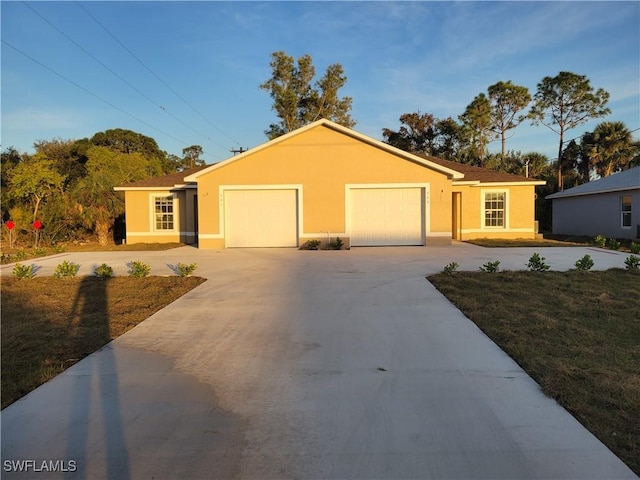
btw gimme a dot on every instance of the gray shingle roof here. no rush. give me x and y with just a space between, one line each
626 180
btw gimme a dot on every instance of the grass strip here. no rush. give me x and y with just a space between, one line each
576 333
49 324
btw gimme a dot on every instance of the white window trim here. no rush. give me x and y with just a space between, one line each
622 225
483 211
152 212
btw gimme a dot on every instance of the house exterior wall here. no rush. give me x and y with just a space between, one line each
140 219
596 214
520 212
320 162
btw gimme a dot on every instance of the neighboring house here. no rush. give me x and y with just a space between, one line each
324 181
609 207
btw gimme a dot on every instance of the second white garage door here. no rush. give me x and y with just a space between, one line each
387 216
261 218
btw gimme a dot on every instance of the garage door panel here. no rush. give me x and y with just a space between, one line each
387 216
261 218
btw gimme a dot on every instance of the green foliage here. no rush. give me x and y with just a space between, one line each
337 244
476 128
103 271
311 245
600 241
613 244
66 269
490 267
138 269
59 249
39 252
191 157
632 262
609 148
634 247
297 102
184 270
450 268
537 263
23 271
506 101
585 263
20 255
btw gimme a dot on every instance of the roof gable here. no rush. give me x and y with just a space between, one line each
426 162
625 180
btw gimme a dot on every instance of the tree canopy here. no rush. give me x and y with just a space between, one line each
298 102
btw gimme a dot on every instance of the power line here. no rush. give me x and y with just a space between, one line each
155 75
119 76
92 93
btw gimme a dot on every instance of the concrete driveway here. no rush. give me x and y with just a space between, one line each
293 364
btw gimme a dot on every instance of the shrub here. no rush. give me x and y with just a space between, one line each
184 270
585 263
23 271
613 244
59 249
138 269
311 245
20 255
450 269
600 241
634 247
537 263
66 269
632 262
103 271
491 267
39 252
336 245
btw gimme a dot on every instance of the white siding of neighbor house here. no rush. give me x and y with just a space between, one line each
596 214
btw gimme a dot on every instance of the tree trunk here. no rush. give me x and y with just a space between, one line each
102 230
560 181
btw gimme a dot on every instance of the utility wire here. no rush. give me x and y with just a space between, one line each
155 75
91 93
119 76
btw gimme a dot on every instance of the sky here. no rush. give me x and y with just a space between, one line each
188 73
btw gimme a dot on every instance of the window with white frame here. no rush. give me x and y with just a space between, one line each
163 212
494 209
625 210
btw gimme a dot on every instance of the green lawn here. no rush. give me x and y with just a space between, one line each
576 333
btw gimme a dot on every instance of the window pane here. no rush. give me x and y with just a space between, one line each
494 209
164 213
625 207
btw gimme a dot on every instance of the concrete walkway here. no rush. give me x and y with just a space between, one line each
291 364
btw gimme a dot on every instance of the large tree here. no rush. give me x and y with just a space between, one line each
191 157
565 101
476 129
609 148
297 102
506 101
416 134
128 141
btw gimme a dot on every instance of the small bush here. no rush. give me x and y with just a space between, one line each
103 271
138 269
311 245
59 249
585 263
634 247
184 270
490 267
66 269
23 271
450 269
20 255
336 245
39 252
600 241
613 244
632 262
537 263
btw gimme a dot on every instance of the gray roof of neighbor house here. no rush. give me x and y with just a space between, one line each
625 180
171 180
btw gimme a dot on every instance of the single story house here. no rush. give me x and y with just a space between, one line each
609 206
324 181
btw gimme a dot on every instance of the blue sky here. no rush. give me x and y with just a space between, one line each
197 66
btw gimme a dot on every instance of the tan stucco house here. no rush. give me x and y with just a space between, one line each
324 181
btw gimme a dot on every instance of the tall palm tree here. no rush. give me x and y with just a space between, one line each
610 147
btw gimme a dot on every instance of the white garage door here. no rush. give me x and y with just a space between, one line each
386 216
261 218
